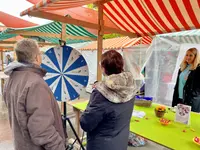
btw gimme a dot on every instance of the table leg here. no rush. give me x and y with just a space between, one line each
77 121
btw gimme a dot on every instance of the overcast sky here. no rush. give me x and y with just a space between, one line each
14 7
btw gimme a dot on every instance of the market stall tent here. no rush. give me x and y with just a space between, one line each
50 32
124 45
121 44
152 17
134 18
118 43
83 14
166 54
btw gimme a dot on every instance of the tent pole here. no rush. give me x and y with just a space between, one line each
63 32
100 40
141 38
2 80
63 104
2 60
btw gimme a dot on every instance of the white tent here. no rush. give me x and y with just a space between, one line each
167 52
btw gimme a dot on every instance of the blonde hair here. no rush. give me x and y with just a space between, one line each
196 61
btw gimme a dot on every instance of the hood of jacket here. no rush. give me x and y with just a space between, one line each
118 88
23 66
14 65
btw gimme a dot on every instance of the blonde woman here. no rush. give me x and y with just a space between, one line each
187 88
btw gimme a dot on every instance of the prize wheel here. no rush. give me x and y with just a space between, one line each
67 72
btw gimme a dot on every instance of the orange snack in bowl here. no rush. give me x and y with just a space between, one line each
164 121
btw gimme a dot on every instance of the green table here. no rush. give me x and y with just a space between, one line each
171 136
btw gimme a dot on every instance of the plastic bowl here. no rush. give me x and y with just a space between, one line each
196 140
164 121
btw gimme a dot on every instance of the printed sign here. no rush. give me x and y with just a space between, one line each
183 114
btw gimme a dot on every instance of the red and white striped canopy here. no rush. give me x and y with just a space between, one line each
144 17
51 5
118 43
146 40
150 17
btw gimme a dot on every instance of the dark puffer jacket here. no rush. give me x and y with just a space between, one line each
191 91
107 117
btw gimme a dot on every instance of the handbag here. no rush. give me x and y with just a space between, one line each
136 141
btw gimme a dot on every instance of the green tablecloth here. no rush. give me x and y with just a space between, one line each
171 136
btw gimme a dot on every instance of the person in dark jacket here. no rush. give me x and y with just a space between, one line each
107 116
187 88
8 59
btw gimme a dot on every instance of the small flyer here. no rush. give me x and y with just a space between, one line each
183 114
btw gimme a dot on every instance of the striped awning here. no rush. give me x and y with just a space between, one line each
77 46
150 17
118 43
53 27
191 36
136 41
49 5
2 26
143 17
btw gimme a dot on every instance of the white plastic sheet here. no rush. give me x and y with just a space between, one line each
162 68
91 59
135 59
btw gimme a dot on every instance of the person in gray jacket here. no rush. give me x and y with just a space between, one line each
107 116
34 114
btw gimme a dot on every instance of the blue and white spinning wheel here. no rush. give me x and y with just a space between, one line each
67 72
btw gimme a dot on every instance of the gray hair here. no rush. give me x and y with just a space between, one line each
26 50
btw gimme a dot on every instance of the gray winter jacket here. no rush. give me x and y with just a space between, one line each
33 112
107 117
